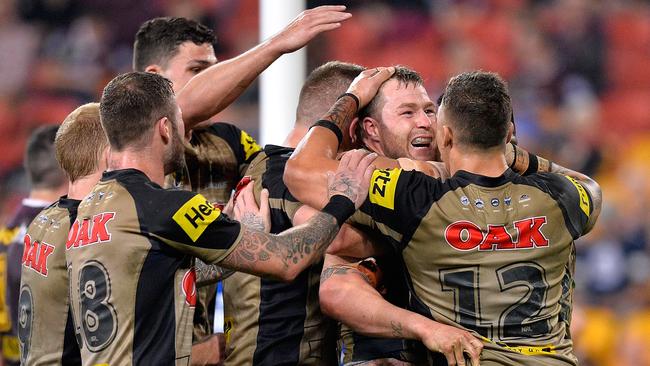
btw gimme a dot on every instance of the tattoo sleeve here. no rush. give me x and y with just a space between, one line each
208 274
341 270
294 249
342 112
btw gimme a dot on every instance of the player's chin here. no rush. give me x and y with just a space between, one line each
422 152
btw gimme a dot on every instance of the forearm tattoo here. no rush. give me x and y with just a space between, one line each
254 221
342 112
398 329
207 274
342 269
292 247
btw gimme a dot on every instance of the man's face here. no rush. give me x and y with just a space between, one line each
190 60
174 155
405 121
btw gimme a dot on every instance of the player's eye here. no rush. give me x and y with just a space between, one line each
429 111
407 113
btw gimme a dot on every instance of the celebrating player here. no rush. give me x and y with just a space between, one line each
131 248
46 330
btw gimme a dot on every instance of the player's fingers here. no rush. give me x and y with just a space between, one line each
246 195
328 17
323 8
368 174
451 359
325 27
264 202
355 158
458 352
345 160
383 73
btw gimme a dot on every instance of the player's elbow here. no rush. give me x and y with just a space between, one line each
332 294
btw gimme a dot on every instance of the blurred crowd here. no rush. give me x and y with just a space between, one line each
578 71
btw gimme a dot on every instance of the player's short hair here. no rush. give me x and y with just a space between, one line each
158 40
479 107
404 76
80 142
40 162
323 85
131 104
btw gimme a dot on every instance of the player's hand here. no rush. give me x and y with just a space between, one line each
352 178
249 213
366 85
211 351
454 343
308 25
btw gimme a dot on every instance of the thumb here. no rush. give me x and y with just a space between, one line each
264 202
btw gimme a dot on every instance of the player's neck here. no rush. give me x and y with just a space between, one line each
144 160
82 186
487 163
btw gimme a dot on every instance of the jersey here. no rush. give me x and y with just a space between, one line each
45 329
131 253
489 254
215 161
270 322
10 259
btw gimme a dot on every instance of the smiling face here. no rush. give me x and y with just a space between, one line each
190 60
405 121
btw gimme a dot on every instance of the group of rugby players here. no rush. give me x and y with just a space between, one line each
422 227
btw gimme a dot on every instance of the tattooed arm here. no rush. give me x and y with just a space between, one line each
346 294
315 156
285 255
208 274
523 162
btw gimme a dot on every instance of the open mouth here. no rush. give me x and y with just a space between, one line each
422 142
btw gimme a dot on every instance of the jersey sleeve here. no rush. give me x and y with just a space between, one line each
193 225
397 202
244 146
574 200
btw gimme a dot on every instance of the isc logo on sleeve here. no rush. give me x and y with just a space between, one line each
195 216
382 187
584 198
249 145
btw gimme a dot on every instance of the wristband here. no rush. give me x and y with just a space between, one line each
330 126
356 99
340 207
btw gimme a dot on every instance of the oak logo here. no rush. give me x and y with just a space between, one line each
195 216
35 255
382 187
465 235
90 231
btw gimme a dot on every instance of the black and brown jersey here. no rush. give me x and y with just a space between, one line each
131 253
489 254
216 158
269 322
45 328
10 264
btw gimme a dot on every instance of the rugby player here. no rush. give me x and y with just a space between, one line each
269 322
216 154
132 246
514 234
48 183
45 328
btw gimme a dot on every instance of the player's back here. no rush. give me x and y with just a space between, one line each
45 330
270 322
133 292
493 255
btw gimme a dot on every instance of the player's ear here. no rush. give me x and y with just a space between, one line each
447 138
164 128
371 128
155 69
511 131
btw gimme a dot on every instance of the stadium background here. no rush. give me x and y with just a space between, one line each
579 73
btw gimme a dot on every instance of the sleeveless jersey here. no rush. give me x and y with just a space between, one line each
492 255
